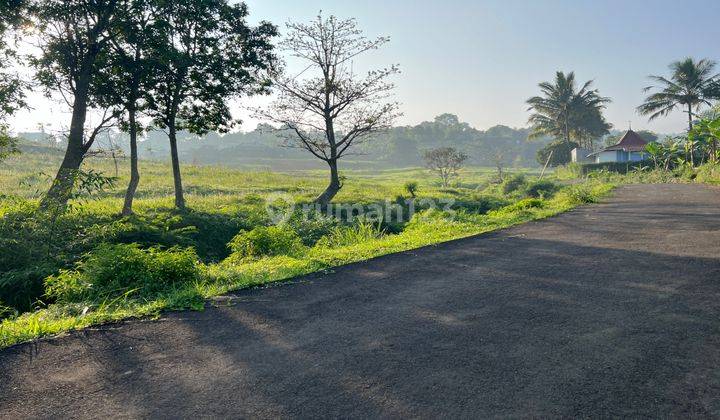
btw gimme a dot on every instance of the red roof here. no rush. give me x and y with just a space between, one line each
630 142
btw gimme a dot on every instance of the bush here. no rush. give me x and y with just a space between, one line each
513 183
411 187
480 204
522 205
265 241
361 231
541 189
619 167
21 289
575 195
123 270
708 173
312 226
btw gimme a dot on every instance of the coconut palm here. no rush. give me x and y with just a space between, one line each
691 85
566 113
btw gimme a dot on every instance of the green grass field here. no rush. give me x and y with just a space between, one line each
90 265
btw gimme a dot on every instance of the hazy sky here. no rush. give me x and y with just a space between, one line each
482 59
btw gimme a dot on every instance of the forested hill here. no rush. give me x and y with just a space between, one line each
399 147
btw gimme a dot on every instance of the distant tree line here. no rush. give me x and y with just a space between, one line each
396 147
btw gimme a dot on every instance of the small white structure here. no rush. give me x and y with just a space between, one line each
581 155
630 148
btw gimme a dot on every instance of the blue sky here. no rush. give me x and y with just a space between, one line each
482 59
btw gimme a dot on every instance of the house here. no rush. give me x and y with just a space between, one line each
581 155
630 148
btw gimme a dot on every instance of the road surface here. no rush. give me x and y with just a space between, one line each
608 310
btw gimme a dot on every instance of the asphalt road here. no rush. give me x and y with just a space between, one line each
609 310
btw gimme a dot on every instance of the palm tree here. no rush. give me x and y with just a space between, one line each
567 113
691 85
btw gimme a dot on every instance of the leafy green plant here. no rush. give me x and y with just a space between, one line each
513 183
265 241
411 187
541 189
113 270
577 195
312 226
361 231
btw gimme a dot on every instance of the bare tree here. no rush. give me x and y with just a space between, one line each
329 109
446 162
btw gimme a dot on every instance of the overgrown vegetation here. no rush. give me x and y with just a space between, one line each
89 264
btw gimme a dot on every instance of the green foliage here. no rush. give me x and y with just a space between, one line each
521 205
572 170
709 174
411 187
567 113
690 86
514 183
541 189
575 195
445 162
560 150
362 231
312 226
115 270
265 241
8 144
619 167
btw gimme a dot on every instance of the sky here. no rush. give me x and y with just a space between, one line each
482 59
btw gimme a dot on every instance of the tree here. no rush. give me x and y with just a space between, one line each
566 113
560 153
8 144
446 162
706 133
331 110
208 55
691 85
12 87
130 75
74 37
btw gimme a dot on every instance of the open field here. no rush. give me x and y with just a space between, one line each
55 275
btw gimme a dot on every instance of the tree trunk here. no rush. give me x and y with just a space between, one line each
134 172
690 118
179 198
333 188
61 189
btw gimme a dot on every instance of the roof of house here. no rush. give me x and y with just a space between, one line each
630 142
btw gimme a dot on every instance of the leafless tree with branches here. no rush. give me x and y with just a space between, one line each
326 109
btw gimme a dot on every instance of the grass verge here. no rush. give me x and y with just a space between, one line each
427 228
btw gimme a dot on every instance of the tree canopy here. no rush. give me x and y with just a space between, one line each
692 84
567 113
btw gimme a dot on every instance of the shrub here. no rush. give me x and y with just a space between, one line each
311 226
521 205
708 173
513 183
123 270
541 189
361 231
265 241
20 289
575 195
411 187
481 204
572 170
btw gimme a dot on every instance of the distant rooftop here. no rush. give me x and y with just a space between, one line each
630 142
